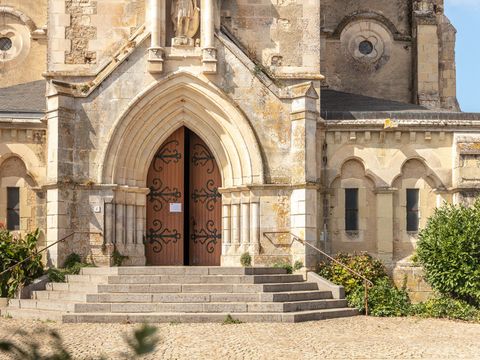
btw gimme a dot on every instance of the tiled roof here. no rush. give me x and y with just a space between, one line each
23 98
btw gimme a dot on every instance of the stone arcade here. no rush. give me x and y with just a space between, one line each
179 132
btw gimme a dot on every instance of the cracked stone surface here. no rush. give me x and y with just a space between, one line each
348 338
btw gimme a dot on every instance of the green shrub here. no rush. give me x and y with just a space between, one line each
285 266
449 251
13 251
246 259
363 263
118 258
444 307
72 260
384 299
72 266
297 265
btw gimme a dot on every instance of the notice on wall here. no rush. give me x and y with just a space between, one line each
175 207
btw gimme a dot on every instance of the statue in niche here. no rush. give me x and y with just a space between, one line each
186 20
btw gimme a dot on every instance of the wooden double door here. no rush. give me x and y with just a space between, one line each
184 204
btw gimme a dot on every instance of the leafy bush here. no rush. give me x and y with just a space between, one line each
285 266
246 259
297 265
13 251
449 250
72 266
444 307
384 299
363 264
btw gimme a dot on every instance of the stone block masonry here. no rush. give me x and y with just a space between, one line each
80 31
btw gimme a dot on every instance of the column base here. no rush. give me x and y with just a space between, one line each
155 60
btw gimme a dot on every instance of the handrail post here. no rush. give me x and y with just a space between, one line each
366 298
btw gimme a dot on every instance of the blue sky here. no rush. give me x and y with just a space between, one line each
465 16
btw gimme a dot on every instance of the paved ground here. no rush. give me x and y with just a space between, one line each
358 337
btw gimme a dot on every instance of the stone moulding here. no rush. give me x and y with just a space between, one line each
35 32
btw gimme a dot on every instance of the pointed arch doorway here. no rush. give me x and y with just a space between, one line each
184 204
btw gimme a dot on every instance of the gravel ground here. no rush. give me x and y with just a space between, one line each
349 338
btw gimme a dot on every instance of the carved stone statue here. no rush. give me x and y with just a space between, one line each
185 18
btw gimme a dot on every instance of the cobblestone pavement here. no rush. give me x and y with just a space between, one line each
349 338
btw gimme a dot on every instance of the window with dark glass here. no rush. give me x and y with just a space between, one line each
412 209
13 208
351 209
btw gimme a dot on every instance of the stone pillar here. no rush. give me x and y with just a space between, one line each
245 226
254 228
209 52
385 225
60 147
235 227
304 198
427 66
155 52
226 229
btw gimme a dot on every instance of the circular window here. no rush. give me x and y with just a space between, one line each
5 44
365 47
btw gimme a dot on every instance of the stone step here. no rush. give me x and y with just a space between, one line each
296 286
59 295
188 279
295 296
199 306
88 279
324 314
172 297
75 287
51 305
181 297
182 317
32 314
182 270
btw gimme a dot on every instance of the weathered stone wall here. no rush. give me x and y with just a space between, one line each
289 32
386 24
26 60
84 34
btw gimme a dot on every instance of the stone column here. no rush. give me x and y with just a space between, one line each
235 227
427 65
226 229
245 226
209 52
155 52
385 225
254 228
304 198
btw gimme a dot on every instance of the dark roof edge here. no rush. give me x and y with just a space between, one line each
398 115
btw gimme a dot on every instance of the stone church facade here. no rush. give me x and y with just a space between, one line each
180 132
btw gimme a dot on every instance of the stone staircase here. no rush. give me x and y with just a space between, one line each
180 294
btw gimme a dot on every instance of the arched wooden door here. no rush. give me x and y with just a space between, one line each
184 205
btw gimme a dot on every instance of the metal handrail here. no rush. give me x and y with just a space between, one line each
46 248
368 283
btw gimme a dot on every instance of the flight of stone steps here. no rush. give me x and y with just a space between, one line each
180 294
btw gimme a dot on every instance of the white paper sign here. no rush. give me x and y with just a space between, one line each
175 207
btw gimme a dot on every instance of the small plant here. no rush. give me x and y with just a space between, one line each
297 265
229 320
246 259
72 265
118 258
285 266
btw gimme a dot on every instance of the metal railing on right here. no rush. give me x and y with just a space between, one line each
368 284
45 249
